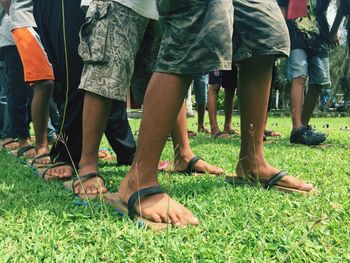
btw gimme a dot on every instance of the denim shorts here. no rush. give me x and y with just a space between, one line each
200 88
301 64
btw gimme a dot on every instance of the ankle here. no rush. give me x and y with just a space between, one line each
134 182
250 164
183 155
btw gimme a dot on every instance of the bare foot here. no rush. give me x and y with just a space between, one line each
191 134
104 154
61 172
91 186
41 151
232 131
9 146
203 130
269 133
264 171
181 164
159 208
220 135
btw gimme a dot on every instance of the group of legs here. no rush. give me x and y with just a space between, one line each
169 110
164 115
206 89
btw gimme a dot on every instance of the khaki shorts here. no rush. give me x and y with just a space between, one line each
197 36
259 29
110 40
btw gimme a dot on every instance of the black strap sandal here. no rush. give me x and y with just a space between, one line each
218 134
9 142
23 150
84 178
39 157
55 165
190 167
274 180
138 195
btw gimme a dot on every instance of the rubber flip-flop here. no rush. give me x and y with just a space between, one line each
272 183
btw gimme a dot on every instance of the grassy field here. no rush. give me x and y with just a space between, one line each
41 222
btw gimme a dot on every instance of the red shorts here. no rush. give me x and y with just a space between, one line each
34 59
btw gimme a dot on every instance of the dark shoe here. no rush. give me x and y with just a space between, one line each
309 127
306 135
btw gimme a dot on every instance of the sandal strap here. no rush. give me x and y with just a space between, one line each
9 142
24 149
39 157
275 179
191 164
138 195
55 165
83 178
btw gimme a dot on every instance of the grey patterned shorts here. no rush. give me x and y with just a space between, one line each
259 29
197 36
109 42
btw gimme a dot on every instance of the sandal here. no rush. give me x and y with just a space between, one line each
55 165
82 179
272 183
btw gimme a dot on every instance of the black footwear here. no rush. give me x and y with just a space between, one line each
307 135
310 128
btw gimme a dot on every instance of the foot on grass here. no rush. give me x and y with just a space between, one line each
10 146
263 171
41 151
203 129
31 153
91 186
181 164
159 208
61 172
232 131
220 135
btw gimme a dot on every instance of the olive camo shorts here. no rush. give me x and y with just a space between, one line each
197 36
259 29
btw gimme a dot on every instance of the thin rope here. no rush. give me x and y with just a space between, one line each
67 66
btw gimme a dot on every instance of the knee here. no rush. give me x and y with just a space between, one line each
214 89
301 80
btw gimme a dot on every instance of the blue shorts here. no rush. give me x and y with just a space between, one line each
200 87
301 64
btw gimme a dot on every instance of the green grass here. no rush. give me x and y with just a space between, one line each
39 222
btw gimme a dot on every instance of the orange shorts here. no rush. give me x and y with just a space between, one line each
34 59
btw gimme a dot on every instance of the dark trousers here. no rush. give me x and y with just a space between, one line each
48 15
19 94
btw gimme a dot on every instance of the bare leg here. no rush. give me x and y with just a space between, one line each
201 113
95 116
159 115
212 110
296 101
251 160
311 99
182 149
40 116
228 106
23 142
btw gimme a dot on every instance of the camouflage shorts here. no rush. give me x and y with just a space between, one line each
197 36
145 61
109 42
259 29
